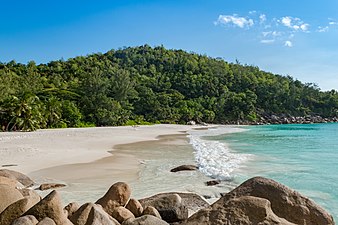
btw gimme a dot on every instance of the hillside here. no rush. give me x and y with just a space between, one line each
143 84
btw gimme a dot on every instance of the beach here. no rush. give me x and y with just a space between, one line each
89 160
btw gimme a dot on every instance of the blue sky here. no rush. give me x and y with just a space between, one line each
286 37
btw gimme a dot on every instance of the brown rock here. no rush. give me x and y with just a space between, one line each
48 186
14 211
262 201
71 208
212 182
245 210
22 178
31 195
98 216
25 220
117 195
285 203
8 195
80 217
184 168
10 182
46 221
145 220
149 210
121 214
169 206
191 201
50 207
135 207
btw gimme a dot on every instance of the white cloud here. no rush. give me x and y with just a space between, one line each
322 29
235 20
288 44
304 27
271 33
262 18
294 23
267 41
286 21
333 23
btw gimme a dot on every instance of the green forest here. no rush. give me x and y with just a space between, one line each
146 85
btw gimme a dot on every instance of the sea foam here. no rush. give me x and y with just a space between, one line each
215 159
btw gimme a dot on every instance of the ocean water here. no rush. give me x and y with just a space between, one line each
303 157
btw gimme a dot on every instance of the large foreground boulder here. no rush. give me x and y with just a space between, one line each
22 178
8 195
90 213
50 207
14 211
193 202
285 203
246 210
117 195
169 206
262 201
98 216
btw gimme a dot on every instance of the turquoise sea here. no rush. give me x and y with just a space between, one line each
301 156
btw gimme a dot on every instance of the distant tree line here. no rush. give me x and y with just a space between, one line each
139 85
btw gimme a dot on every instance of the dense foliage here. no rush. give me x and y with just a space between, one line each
145 84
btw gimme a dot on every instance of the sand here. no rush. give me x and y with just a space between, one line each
90 160
31 151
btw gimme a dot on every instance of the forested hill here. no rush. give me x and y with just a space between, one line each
145 84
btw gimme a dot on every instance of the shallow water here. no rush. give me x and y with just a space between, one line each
303 157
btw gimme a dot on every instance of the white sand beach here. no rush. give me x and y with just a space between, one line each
86 156
31 151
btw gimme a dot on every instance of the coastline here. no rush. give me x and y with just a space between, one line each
89 160
32 151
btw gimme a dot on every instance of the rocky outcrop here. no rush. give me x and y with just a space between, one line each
245 210
184 168
262 201
21 178
117 195
256 201
169 206
285 203
48 186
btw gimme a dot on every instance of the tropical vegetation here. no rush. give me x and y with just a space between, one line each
144 84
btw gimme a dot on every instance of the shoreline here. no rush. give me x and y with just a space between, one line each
78 157
32 151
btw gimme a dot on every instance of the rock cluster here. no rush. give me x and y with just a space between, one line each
256 201
262 201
